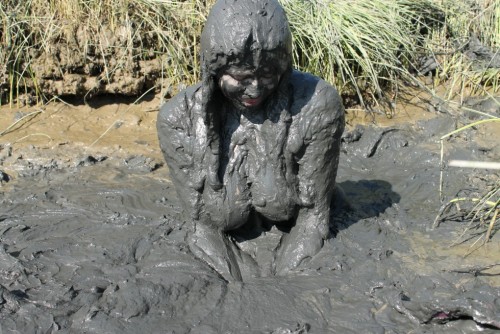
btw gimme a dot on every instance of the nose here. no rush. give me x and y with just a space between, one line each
253 90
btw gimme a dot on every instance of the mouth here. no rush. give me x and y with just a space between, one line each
251 102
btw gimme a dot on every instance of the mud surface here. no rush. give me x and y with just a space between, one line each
92 239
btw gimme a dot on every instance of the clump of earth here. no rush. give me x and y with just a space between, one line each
92 240
82 62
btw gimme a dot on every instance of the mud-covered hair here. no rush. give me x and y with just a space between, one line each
236 29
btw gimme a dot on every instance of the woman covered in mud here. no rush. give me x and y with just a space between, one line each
254 141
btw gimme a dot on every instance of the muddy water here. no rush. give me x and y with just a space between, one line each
92 242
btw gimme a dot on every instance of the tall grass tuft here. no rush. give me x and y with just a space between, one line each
98 38
472 25
365 48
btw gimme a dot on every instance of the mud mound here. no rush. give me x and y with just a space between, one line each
67 69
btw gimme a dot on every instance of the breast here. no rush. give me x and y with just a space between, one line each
271 194
254 165
230 206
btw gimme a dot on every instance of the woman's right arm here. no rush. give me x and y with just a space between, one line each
181 142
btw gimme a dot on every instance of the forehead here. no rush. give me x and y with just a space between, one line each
256 60
249 69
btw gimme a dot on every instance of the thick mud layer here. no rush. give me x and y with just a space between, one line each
92 241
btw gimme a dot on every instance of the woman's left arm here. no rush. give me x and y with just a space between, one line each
321 127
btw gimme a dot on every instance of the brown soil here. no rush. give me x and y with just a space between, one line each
121 127
111 127
84 63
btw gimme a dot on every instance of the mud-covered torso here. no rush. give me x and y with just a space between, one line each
253 165
260 153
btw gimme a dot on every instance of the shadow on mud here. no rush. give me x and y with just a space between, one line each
353 201
106 99
361 199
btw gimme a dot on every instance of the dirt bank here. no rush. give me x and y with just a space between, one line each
92 242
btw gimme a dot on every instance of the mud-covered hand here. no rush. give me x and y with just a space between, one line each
212 246
303 242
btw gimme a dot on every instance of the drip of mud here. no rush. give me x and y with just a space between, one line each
91 241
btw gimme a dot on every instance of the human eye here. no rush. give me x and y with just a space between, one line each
267 73
238 77
240 74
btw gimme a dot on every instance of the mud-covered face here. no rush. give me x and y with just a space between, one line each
248 87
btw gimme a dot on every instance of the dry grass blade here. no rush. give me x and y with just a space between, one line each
474 164
25 118
476 270
116 122
33 135
492 224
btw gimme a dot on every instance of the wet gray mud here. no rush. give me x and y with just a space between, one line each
96 245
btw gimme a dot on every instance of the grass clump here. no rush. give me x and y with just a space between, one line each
365 48
466 48
90 46
481 215
480 210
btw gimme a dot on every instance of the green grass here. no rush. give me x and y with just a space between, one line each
363 47
463 20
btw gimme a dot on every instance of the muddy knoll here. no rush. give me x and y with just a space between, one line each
91 239
84 62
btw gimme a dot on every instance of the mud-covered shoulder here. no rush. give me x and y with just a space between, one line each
178 111
316 107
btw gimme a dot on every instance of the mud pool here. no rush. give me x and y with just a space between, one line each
92 241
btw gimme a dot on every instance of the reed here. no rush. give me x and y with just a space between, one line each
467 22
363 47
